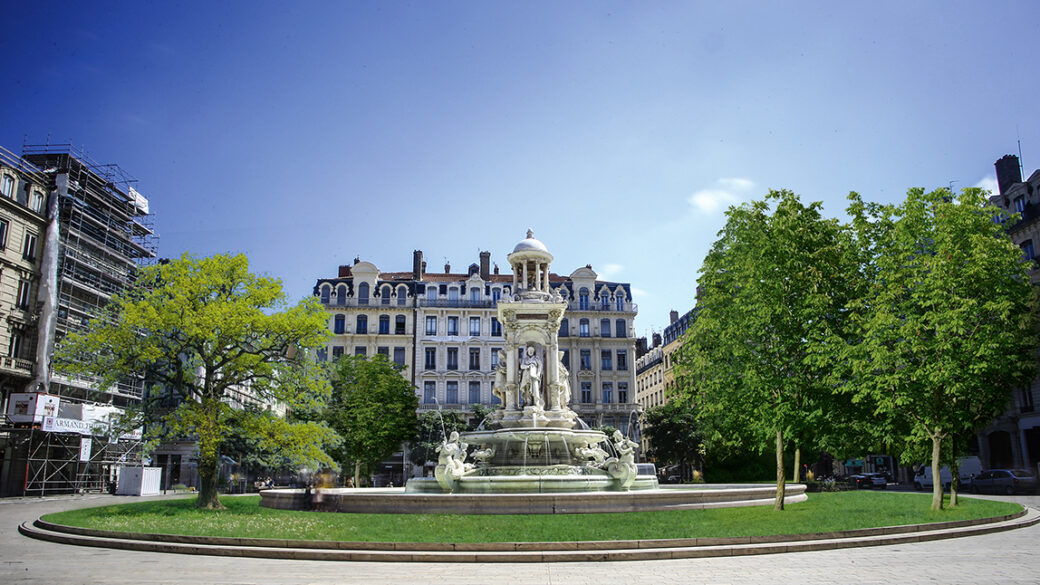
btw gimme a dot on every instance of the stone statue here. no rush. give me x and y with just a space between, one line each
451 464
531 379
499 386
563 397
596 456
624 469
481 456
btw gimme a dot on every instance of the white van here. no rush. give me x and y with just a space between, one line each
968 467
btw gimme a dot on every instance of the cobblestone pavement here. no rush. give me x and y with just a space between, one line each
1006 557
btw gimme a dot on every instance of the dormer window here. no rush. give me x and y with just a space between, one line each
7 186
36 201
1020 204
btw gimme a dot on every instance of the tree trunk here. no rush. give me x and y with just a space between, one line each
357 474
797 465
955 482
209 475
780 479
937 487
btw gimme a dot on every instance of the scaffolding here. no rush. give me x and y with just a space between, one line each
105 233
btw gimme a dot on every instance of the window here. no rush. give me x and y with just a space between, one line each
431 358
431 293
622 392
399 325
586 392
494 357
453 325
402 296
620 304
1020 204
604 327
36 201
29 250
496 327
1027 249
453 358
325 290
24 289
622 359
383 351
474 392
566 359
429 392
474 293
362 293
323 355
608 393
583 328
399 356
586 359
4 226
341 294
452 393
15 348
1027 400
496 294
453 294
7 186
474 358
384 324
431 325
583 299
621 328
362 324
564 328
604 301
474 326
339 326
360 350
605 359
337 352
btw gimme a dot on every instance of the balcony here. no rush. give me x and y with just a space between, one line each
457 303
598 308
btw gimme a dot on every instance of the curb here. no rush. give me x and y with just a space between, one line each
581 551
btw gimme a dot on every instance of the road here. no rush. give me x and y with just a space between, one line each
1006 558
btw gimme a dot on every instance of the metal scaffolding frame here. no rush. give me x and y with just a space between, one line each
54 466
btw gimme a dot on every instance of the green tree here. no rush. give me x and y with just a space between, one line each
671 430
372 409
949 324
772 290
200 330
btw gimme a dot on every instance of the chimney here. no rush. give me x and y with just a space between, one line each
357 260
418 266
673 316
1008 172
485 265
344 271
447 268
496 267
641 348
657 340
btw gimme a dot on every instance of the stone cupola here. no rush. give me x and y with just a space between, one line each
530 262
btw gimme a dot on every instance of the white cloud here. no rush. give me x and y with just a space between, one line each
610 270
990 184
725 192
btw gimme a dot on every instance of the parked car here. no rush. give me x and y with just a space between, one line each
1003 481
868 481
966 467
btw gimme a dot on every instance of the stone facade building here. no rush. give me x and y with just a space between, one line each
1013 440
443 328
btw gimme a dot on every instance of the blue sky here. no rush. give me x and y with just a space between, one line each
304 134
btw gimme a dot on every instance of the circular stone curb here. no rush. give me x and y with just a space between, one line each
504 552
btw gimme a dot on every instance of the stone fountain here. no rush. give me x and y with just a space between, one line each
532 444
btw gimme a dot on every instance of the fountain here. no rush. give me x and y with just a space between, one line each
532 445
533 455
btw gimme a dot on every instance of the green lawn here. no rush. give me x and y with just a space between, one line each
823 512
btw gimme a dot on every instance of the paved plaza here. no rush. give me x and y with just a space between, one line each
1005 557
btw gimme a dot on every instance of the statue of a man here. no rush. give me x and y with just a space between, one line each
531 378
499 386
564 397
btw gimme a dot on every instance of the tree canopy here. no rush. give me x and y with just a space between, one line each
372 408
672 431
771 295
203 333
948 326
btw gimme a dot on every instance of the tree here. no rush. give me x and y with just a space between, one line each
671 430
949 324
372 408
200 330
772 294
